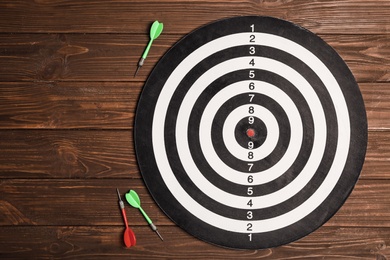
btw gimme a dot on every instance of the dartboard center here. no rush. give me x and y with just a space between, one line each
250 132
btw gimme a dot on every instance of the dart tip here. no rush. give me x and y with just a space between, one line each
119 196
135 74
159 235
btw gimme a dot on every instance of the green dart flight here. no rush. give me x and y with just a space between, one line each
155 31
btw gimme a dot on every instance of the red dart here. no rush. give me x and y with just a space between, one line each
128 235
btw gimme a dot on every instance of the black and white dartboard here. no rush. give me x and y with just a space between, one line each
250 132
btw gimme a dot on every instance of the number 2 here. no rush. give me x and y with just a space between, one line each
249 227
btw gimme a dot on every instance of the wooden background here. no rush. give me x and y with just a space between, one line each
67 102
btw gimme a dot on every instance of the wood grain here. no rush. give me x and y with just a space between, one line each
93 57
74 105
67 154
331 17
76 57
85 242
377 102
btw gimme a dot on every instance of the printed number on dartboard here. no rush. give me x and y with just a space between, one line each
251 119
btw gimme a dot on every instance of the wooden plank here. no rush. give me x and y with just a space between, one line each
84 242
67 154
341 17
377 102
77 57
96 57
377 164
111 105
364 54
368 205
77 202
70 105
93 202
110 154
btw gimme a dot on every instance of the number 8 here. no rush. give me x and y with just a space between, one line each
251 110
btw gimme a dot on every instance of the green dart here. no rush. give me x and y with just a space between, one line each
133 199
155 31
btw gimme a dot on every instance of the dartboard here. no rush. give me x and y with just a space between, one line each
250 132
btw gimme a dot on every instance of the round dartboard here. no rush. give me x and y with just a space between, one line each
250 132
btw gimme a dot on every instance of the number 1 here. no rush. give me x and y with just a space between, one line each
252 27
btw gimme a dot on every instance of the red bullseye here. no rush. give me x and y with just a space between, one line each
250 132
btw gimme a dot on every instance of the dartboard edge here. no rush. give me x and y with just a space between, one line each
250 132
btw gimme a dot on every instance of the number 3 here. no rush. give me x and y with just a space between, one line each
252 50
